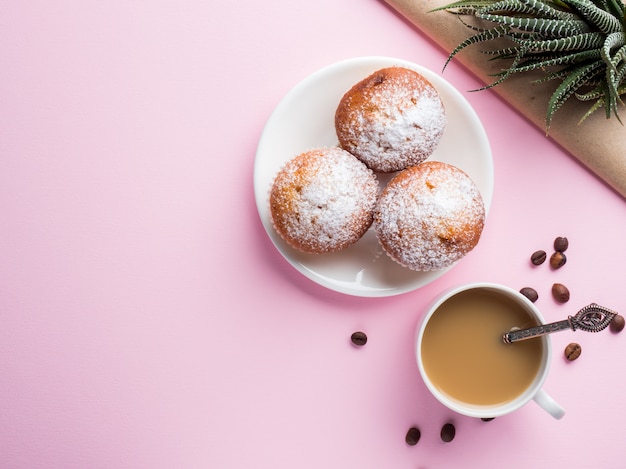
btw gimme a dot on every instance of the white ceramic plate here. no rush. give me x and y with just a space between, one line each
305 119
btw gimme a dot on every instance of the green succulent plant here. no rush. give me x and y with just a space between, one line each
581 44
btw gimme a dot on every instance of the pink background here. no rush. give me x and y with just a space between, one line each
148 322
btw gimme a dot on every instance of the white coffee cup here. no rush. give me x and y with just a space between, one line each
533 392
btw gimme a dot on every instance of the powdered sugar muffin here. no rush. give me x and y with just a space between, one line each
429 216
391 120
323 200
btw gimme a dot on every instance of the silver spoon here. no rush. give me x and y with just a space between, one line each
592 318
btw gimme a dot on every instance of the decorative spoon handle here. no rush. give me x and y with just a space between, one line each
592 318
523 334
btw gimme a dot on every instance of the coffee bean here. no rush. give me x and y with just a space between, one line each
448 431
560 293
413 436
538 257
359 338
561 244
617 323
573 351
530 293
557 260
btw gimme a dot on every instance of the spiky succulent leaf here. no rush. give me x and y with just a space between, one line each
576 78
547 10
568 59
581 44
481 36
540 26
601 19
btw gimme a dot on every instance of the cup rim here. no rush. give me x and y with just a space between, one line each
477 410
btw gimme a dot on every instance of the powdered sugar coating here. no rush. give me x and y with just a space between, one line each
391 120
429 216
323 200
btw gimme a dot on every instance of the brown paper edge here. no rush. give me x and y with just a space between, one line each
598 143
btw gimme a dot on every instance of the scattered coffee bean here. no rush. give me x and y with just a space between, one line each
530 293
538 257
560 293
561 244
359 338
487 419
573 351
413 436
557 260
448 431
617 323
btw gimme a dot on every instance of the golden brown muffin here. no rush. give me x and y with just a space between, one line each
391 120
323 200
429 216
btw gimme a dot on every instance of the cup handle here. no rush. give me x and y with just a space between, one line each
548 404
